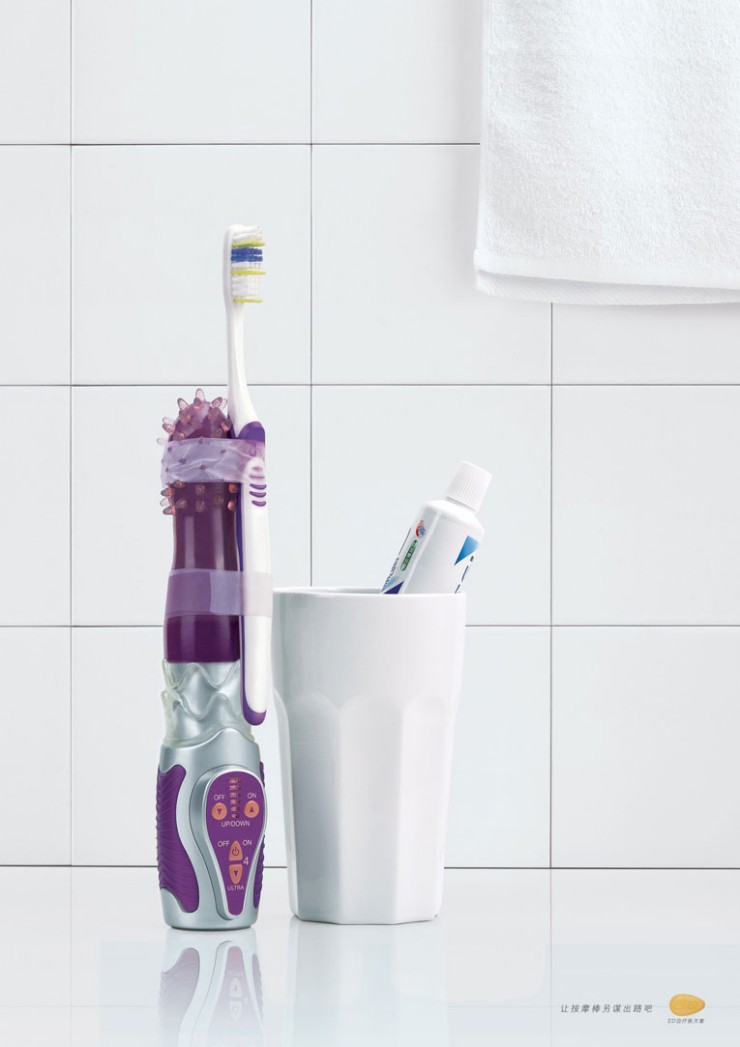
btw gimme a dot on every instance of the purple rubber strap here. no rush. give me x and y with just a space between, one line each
193 590
176 873
252 434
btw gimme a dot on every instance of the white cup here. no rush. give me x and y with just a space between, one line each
367 687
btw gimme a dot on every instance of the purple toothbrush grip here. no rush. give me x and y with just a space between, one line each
176 873
254 432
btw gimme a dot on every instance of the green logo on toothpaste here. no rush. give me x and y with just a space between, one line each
409 554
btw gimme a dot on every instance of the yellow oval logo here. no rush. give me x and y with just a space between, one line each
685 1004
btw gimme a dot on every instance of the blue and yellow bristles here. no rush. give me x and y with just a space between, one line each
246 266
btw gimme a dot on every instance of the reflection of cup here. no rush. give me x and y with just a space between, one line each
367 688
210 991
374 985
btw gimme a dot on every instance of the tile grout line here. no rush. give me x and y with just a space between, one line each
375 385
549 913
70 634
310 393
310 298
447 868
552 429
733 626
245 145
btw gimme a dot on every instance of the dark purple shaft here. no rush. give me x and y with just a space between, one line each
204 537
204 531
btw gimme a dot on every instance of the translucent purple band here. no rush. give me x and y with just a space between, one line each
206 460
196 590
202 591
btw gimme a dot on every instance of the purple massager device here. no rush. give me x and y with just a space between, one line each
211 808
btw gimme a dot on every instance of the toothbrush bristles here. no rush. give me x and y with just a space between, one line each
246 266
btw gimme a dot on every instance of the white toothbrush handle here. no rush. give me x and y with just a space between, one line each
242 269
256 622
256 637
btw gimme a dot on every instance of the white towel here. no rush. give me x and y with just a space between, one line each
610 161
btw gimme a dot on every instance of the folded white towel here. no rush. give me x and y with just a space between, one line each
610 161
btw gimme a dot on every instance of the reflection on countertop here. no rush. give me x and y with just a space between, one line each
210 990
374 984
517 958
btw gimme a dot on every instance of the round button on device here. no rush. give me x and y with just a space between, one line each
218 811
251 809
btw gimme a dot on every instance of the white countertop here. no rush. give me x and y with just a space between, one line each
517 957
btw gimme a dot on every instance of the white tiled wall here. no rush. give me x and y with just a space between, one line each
602 694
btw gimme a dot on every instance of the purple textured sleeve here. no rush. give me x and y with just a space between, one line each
176 873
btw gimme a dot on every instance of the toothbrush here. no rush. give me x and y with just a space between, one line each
242 277
211 808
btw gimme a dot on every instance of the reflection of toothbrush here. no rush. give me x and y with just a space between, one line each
242 273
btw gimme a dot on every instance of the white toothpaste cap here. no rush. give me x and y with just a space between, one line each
469 485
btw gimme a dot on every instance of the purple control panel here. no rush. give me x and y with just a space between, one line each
235 816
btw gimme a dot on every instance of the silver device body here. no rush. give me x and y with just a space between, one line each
208 737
